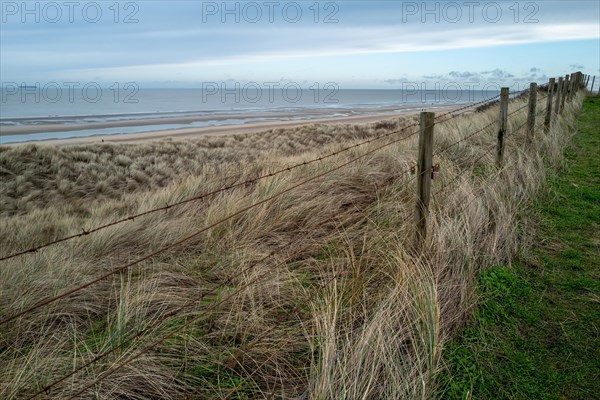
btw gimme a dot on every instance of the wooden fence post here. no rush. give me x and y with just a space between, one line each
564 93
593 81
424 169
531 112
561 85
548 118
502 123
572 79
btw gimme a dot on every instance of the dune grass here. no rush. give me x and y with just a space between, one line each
315 294
34 175
535 330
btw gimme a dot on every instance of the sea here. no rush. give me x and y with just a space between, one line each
163 109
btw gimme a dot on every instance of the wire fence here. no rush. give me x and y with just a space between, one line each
453 114
197 233
214 290
85 232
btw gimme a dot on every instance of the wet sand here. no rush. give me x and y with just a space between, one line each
192 132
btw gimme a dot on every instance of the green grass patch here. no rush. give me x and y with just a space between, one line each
535 333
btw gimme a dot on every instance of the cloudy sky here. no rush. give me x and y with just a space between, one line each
356 44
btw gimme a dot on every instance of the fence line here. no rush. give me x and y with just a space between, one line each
154 343
462 209
43 303
484 128
195 234
405 220
233 186
474 196
305 393
193 301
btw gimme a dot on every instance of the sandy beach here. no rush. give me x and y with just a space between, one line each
367 116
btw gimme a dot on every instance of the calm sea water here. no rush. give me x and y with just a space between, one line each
110 102
52 105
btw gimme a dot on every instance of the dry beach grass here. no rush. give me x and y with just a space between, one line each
34 175
323 297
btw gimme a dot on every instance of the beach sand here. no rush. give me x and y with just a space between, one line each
192 132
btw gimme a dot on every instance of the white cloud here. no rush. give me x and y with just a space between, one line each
359 41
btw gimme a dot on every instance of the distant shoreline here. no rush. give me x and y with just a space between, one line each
191 132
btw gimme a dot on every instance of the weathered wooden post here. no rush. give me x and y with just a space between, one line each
424 170
593 81
502 123
572 89
548 118
565 90
531 112
561 88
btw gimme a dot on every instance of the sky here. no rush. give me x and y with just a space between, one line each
353 44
